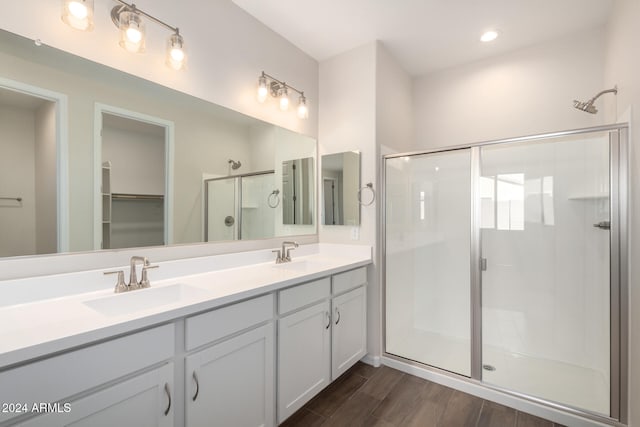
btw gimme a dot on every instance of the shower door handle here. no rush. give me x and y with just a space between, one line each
483 264
605 225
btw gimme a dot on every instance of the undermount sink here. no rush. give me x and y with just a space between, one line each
144 299
298 265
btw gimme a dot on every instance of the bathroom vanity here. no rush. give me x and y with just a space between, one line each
234 338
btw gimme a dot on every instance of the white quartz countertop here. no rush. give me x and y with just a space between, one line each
33 329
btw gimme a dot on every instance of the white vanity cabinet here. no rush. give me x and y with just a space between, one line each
349 315
321 334
246 357
232 382
146 400
100 382
304 357
349 330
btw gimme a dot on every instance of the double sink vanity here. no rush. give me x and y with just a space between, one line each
235 338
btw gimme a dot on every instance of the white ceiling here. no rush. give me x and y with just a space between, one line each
425 35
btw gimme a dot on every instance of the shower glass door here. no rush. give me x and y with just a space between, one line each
258 218
546 282
428 235
221 211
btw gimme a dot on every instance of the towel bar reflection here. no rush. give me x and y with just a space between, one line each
17 199
273 200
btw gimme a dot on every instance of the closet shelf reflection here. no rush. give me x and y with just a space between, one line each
127 196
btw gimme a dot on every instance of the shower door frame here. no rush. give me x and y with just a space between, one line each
618 283
239 198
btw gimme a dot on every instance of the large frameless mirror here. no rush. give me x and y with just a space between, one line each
157 150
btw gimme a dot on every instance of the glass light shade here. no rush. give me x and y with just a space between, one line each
303 110
176 56
78 14
284 99
263 91
132 35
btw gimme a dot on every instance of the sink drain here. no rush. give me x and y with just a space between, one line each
489 368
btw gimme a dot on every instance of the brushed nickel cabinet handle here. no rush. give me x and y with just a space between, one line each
166 390
195 378
338 313
329 319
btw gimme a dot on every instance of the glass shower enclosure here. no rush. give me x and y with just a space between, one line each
504 263
240 207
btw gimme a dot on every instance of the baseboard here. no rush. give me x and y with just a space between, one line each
374 361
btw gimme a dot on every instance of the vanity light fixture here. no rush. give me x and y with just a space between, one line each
278 89
262 89
132 31
131 22
175 52
129 19
284 98
303 111
78 14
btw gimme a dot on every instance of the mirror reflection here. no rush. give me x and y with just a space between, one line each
133 175
340 185
157 150
28 210
297 191
238 207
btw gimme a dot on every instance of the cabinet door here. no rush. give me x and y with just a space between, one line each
142 401
349 338
304 357
232 383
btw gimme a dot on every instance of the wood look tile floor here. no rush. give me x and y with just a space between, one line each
384 397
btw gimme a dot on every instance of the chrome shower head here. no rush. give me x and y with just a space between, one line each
235 164
588 106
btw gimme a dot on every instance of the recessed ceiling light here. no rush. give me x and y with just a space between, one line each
489 36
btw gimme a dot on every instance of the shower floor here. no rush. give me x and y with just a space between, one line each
547 379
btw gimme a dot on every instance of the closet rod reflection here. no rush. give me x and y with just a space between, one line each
137 196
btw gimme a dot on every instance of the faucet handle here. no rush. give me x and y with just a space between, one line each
144 281
121 286
278 256
288 253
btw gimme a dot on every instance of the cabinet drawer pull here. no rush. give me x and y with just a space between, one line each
328 320
338 313
166 390
195 378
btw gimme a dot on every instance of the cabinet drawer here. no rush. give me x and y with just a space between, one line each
209 327
144 400
342 282
301 295
59 377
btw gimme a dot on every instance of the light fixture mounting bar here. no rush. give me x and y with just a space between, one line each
132 7
283 84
